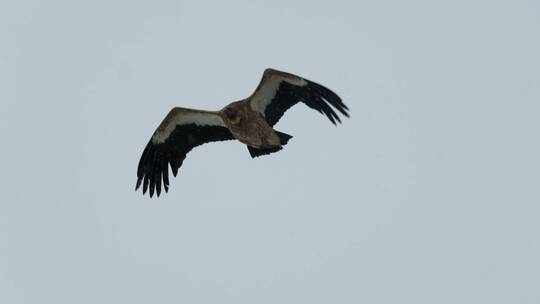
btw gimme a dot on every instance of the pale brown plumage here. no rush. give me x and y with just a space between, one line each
249 121
248 126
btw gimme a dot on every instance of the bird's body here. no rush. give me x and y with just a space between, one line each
249 121
249 127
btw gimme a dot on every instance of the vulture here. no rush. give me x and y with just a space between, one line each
249 121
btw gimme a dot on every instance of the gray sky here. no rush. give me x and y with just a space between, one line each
428 194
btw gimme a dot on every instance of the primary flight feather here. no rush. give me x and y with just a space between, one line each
249 121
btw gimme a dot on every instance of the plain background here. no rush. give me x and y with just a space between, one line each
429 194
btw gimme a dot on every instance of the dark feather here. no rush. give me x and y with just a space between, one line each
153 169
283 138
254 152
313 95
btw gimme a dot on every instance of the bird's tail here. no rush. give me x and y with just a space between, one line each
283 138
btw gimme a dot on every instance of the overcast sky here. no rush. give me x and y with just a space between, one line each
430 193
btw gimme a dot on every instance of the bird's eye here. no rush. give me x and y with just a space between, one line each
230 112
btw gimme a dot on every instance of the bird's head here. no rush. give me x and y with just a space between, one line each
234 112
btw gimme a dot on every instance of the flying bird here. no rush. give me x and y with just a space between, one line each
249 121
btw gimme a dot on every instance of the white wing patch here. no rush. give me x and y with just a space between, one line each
185 118
262 97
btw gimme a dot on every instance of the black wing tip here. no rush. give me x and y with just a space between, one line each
138 184
329 97
152 171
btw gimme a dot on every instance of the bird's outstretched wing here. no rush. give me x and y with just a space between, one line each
278 91
180 131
